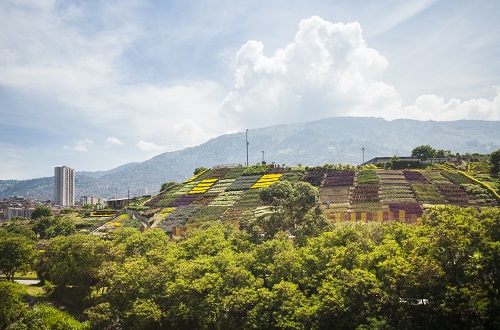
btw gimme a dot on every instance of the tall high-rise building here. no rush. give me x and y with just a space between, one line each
64 186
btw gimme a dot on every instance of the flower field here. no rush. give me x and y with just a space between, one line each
205 214
203 186
339 178
415 177
243 182
205 199
266 180
183 200
227 198
427 193
391 177
365 193
250 198
226 194
453 193
396 193
221 185
178 218
456 178
368 176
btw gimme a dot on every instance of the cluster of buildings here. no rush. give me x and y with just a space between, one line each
64 196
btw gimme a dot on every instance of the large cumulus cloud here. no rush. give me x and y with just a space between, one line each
329 70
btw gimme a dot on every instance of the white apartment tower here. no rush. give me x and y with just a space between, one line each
64 186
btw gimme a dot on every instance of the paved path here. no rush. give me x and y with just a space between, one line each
28 282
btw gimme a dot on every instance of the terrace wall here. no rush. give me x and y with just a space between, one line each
379 216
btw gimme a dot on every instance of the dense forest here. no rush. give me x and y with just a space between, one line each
289 268
441 274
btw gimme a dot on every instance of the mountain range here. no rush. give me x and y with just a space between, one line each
347 140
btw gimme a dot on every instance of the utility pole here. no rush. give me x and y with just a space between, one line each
246 139
363 156
263 161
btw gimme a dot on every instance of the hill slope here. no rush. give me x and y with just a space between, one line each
331 140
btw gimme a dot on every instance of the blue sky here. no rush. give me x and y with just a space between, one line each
97 84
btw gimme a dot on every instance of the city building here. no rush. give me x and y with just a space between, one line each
64 186
12 212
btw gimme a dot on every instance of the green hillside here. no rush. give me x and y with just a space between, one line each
345 193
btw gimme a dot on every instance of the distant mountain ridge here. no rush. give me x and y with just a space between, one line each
330 140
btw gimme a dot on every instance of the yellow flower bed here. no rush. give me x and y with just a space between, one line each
167 210
115 224
203 186
196 176
266 180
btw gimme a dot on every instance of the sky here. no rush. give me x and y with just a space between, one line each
97 84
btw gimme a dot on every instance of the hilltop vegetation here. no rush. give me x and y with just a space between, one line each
271 247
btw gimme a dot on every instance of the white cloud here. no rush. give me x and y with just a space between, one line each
327 71
113 141
434 107
149 146
83 145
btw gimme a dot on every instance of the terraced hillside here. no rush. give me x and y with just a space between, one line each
231 194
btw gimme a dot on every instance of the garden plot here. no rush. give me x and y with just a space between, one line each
427 193
339 194
415 177
364 193
183 200
339 178
221 185
205 199
236 214
453 193
391 177
396 193
250 198
243 182
178 218
227 198
207 214
436 177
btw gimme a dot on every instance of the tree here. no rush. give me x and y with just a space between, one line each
198 170
49 227
73 261
41 211
16 254
443 153
424 152
495 162
11 304
14 228
292 205
167 185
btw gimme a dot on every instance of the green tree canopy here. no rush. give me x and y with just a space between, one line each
198 170
495 162
424 152
16 253
41 211
167 185
73 261
12 305
49 227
